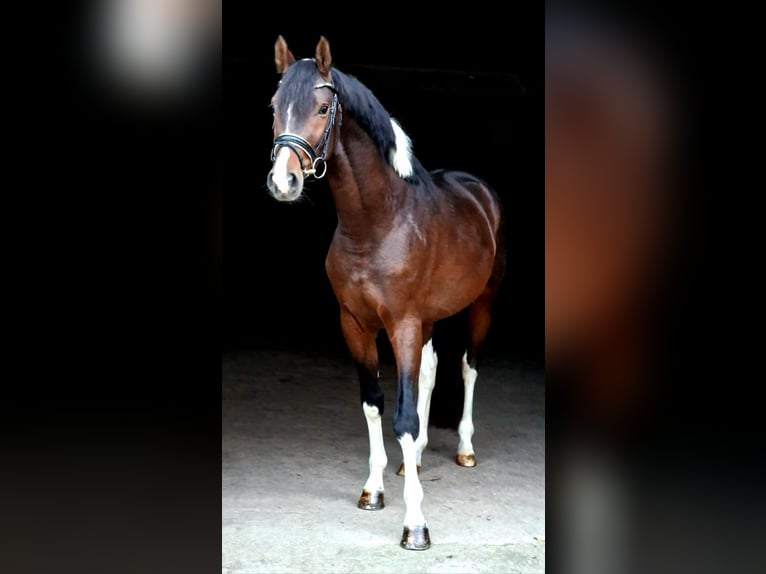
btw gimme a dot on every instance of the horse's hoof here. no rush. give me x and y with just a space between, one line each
371 501
400 472
468 460
415 538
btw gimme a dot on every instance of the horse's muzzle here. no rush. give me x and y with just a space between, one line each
286 187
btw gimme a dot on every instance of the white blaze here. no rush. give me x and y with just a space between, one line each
279 172
289 116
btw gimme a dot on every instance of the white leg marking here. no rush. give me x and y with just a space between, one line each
465 428
279 173
413 492
401 156
378 458
426 382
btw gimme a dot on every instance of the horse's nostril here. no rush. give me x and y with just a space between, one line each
291 179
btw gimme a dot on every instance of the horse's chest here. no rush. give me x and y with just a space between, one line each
359 287
364 287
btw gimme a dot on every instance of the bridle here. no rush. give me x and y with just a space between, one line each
298 144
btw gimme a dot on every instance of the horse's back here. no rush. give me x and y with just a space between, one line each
461 184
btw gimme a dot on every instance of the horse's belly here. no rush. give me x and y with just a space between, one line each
433 286
451 292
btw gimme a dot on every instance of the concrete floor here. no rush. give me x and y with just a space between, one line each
295 452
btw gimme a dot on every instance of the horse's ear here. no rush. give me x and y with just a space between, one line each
323 57
282 55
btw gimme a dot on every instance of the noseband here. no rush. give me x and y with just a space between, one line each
297 144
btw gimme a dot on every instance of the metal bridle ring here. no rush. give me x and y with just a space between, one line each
314 167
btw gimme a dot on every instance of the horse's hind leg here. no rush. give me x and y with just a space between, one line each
364 352
479 320
465 453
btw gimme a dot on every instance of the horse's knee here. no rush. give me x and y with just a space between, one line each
469 373
406 421
369 388
406 418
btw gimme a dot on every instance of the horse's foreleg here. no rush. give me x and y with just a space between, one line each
363 349
406 339
372 405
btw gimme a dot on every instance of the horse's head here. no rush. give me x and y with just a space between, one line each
306 109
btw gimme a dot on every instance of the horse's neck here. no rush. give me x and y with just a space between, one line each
362 185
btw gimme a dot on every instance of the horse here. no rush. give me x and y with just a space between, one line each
410 248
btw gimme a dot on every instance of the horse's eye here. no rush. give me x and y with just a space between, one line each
323 109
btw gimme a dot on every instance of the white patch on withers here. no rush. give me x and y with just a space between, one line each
401 156
279 171
378 458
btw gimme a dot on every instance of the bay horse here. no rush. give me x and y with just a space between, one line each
411 248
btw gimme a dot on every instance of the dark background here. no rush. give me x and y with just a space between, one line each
115 313
467 90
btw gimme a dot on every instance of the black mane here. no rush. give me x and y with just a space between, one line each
358 102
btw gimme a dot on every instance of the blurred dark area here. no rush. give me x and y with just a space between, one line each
111 414
468 93
653 455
